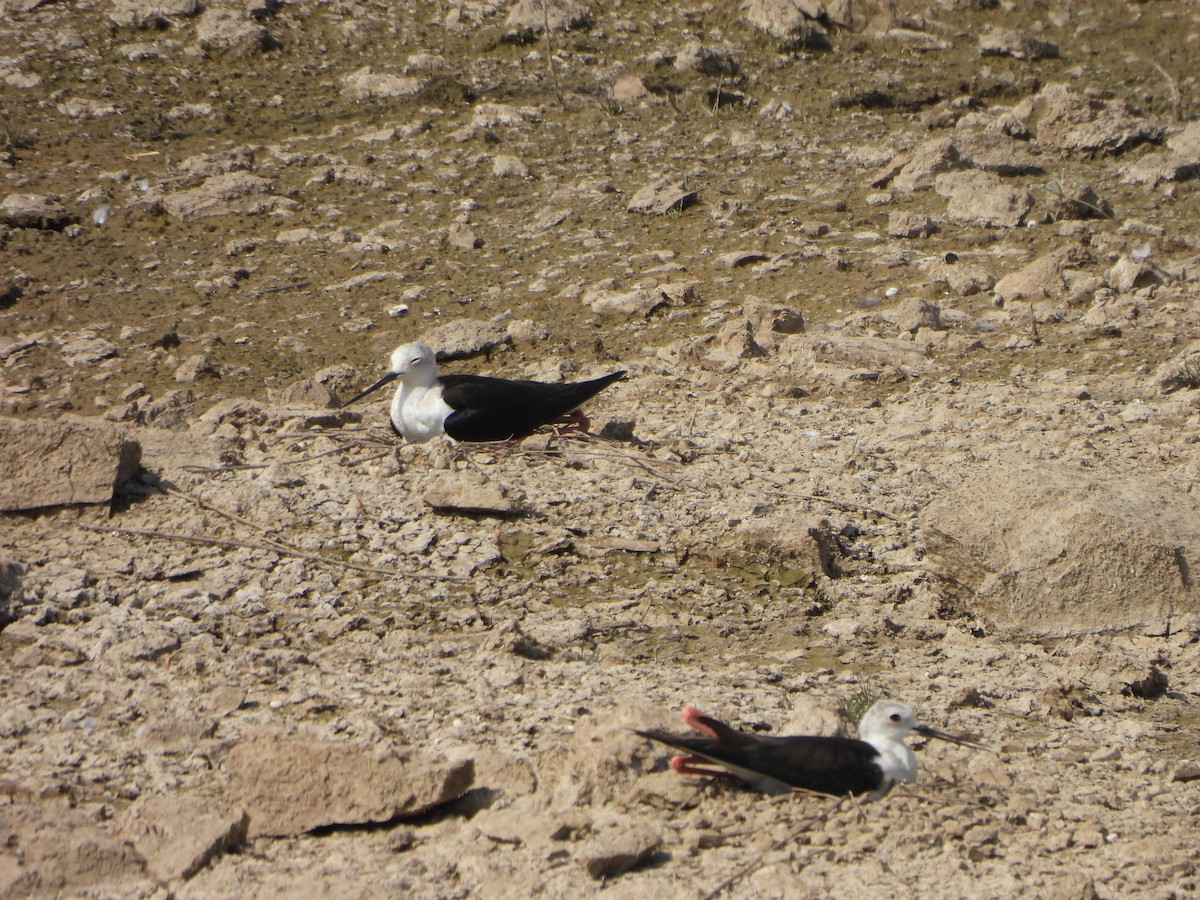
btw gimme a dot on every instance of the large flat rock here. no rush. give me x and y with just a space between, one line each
179 834
291 784
51 849
1041 545
63 462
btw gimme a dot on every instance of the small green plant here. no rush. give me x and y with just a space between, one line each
1189 373
14 139
856 704
1075 202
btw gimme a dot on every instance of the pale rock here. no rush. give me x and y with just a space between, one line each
150 13
770 322
661 197
627 87
230 30
173 410
64 462
1017 44
915 313
1179 162
964 279
205 165
281 475
843 629
86 350
910 225
195 366
226 194
296 236
795 23
462 338
462 236
698 57
364 84
11 590
292 784
980 198
1043 277
237 410
34 211
918 173
1187 771
636 302
736 340
841 354
527 331
618 849
737 258
1038 544
1069 121
504 166
680 293
63 851
179 834
532 16
309 393
1129 274
469 492
997 153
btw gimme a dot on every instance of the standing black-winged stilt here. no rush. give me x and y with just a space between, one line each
828 765
477 407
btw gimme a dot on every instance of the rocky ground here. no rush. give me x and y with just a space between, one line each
908 299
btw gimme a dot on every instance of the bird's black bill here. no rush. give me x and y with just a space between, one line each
390 376
926 731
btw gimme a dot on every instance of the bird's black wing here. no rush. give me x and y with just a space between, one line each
497 409
827 765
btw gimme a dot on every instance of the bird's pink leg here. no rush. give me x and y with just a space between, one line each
692 717
572 421
692 765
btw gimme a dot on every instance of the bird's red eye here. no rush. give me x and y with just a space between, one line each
895 717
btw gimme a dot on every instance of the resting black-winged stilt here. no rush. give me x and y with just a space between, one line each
477 407
828 765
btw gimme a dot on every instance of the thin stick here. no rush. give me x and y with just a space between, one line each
1173 87
550 54
806 822
840 504
271 546
204 504
285 462
283 287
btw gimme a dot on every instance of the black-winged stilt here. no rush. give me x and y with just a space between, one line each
477 407
828 765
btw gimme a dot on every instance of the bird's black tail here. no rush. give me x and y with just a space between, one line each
585 390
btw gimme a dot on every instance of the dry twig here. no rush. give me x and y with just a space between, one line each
270 546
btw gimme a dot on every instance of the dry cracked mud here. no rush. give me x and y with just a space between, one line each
909 302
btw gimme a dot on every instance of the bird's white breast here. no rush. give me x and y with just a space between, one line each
419 412
898 762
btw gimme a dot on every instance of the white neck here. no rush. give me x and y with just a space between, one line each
899 763
418 412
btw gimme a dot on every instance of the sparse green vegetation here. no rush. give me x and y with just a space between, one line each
855 705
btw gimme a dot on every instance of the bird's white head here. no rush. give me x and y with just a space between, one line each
415 363
888 721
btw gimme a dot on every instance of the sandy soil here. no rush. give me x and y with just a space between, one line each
912 408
